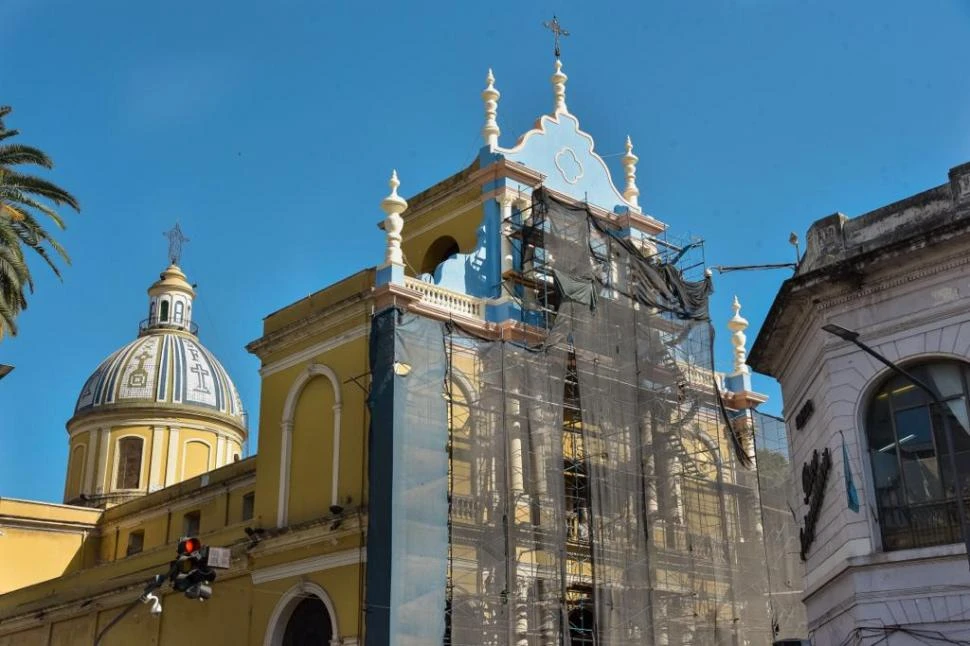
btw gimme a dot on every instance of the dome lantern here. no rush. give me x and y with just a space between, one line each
170 303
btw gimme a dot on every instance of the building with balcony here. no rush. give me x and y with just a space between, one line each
894 570
509 431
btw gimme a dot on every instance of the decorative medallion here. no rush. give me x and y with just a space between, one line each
568 164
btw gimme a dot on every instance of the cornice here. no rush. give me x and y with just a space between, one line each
307 565
319 321
309 353
150 409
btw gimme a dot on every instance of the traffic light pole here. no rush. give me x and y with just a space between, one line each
154 584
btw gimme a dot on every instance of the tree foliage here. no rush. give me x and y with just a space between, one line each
27 202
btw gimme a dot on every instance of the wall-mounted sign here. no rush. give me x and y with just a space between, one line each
804 414
815 476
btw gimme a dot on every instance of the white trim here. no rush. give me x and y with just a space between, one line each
286 433
309 565
297 358
173 453
284 609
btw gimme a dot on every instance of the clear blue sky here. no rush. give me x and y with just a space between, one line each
269 130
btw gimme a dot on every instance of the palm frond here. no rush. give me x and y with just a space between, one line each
19 154
42 187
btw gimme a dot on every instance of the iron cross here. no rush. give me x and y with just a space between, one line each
175 240
557 30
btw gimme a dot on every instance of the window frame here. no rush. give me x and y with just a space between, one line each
120 462
905 523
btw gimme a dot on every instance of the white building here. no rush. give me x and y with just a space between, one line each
895 571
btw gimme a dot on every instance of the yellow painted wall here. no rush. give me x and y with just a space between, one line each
75 470
197 457
32 637
20 549
312 452
312 435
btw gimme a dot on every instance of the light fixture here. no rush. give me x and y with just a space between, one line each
402 369
841 332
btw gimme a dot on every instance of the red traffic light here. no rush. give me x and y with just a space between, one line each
189 546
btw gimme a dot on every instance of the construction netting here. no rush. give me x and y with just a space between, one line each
597 491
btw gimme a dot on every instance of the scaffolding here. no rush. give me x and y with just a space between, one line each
597 493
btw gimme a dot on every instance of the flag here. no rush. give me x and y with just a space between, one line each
851 495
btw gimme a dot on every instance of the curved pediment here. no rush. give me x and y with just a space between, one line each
562 152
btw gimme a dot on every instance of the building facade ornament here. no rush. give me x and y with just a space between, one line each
631 193
490 96
394 205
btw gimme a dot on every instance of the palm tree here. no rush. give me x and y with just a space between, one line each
22 198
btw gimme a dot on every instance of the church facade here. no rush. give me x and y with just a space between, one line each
523 437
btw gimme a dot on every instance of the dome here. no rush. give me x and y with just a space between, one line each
162 367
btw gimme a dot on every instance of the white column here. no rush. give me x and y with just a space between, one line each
173 453
336 454
158 449
505 200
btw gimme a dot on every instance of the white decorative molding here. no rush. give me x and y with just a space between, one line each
738 324
276 627
286 433
569 177
631 193
490 96
559 79
309 565
394 205
447 299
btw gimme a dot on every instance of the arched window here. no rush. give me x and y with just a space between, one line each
179 311
440 250
164 311
129 463
912 477
581 623
151 312
309 624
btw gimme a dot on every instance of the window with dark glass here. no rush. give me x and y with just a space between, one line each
163 316
191 522
129 463
248 504
912 477
136 541
179 310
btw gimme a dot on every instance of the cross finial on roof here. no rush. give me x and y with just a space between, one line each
557 31
175 240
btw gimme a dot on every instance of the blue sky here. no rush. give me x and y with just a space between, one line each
269 130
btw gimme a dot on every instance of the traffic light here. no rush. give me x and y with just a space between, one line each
192 574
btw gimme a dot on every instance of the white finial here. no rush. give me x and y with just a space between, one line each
631 193
559 89
394 205
738 324
490 96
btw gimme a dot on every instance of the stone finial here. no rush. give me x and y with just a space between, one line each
394 205
631 193
738 324
490 96
559 79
